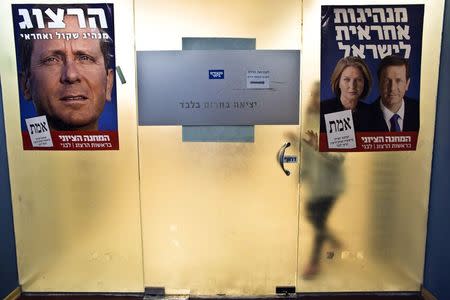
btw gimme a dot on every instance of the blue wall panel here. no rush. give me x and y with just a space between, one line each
437 263
8 262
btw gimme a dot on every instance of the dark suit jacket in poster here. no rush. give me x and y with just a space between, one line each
410 121
360 114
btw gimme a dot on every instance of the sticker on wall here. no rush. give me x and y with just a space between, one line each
370 73
66 74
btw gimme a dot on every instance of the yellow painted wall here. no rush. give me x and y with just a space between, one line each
76 214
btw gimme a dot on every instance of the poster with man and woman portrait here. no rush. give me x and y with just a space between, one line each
370 77
66 75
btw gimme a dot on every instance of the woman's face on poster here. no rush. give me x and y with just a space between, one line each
351 86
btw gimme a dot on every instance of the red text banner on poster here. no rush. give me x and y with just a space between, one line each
377 141
70 140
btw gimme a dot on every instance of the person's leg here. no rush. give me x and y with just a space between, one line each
328 204
317 213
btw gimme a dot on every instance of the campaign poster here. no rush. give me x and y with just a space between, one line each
370 77
66 74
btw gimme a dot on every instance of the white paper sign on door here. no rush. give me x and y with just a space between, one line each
258 79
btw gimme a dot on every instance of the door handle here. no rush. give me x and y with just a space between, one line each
281 157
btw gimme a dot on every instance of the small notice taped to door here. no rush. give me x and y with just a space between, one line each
259 79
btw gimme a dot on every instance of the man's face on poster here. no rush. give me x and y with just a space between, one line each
68 81
393 86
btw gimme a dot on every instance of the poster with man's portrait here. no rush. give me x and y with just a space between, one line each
370 77
66 75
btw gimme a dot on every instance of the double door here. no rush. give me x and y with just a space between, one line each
218 217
